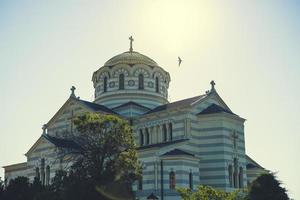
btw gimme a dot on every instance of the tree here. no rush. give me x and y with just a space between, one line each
105 159
18 189
208 193
105 164
107 149
36 186
1 188
267 187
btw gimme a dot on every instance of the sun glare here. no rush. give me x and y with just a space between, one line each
179 23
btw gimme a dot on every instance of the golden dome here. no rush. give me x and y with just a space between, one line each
130 58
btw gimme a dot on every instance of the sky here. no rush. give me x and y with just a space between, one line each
249 48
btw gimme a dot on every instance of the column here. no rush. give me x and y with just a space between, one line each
168 135
157 133
43 171
160 133
144 136
155 175
152 138
170 125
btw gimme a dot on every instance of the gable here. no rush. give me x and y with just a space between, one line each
48 143
213 108
197 103
212 103
40 144
61 121
251 164
130 109
177 104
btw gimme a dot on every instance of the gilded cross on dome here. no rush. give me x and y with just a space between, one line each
131 40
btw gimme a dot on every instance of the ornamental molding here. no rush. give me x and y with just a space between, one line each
120 70
112 84
143 71
155 123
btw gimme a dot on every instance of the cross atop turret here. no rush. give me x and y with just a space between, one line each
73 91
212 83
131 40
44 128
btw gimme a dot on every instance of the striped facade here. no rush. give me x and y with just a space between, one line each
186 143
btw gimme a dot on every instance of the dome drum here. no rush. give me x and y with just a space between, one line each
131 77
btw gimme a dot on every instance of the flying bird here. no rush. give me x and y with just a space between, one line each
179 61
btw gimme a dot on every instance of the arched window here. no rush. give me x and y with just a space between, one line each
235 173
147 136
141 81
156 85
171 131
191 180
43 171
165 134
105 84
47 175
241 179
37 173
140 183
141 137
121 82
172 180
230 175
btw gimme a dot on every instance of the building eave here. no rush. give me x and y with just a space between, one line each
15 167
221 114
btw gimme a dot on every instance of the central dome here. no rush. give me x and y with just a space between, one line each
130 58
131 79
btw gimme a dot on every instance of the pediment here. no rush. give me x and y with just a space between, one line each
211 99
41 143
68 111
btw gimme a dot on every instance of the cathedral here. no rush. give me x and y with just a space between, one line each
193 141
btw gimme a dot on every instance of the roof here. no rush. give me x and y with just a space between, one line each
15 167
97 107
252 164
161 144
63 143
177 152
131 103
130 58
214 108
176 104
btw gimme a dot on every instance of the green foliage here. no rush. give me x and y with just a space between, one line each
105 165
107 149
18 189
209 193
1 188
267 187
76 188
106 162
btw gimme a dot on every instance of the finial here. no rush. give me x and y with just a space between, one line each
44 128
73 91
212 83
131 40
